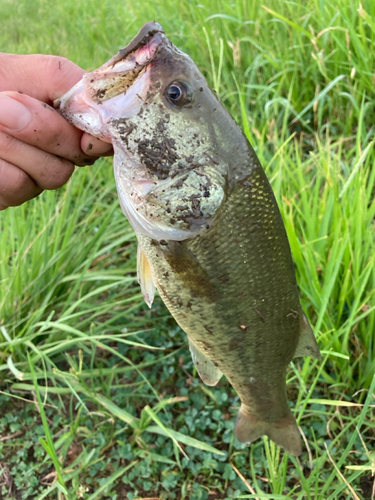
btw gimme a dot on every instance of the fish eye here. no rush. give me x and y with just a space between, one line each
178 93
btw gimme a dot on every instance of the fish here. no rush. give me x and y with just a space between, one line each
211 238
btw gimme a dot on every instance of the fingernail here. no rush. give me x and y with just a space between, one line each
13 114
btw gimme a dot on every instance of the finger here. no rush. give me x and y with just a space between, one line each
47 171
43 77
16 186
95 147
37 124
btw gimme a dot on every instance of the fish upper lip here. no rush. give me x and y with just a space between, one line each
122 70
140 40
97 84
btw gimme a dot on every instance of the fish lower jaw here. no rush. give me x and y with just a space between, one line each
80 112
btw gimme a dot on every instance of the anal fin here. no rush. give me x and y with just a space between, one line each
207 371
307 345
145 278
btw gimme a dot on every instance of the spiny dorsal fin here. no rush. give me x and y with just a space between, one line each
307 345
145 278
207 371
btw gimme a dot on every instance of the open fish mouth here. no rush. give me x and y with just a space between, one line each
120 72
120 83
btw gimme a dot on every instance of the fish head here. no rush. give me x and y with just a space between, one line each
169 132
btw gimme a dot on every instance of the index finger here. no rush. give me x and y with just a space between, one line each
40 76
46 77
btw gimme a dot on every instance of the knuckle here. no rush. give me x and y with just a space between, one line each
16 186
58 174
22 183
8 144
53 65
59 71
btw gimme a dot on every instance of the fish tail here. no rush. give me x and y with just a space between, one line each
283 432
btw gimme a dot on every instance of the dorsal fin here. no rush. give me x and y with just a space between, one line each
307 345
207 371
145 278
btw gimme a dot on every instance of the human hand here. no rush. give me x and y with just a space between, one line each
38 147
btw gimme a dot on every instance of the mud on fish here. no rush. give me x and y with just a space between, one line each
210 235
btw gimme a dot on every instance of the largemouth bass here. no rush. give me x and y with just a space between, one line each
211 237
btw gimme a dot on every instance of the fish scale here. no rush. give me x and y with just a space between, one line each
211 237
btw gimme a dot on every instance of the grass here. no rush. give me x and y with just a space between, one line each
98 397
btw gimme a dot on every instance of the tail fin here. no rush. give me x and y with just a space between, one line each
283 432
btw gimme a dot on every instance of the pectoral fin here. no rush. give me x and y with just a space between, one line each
307 345
145 278
207 371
